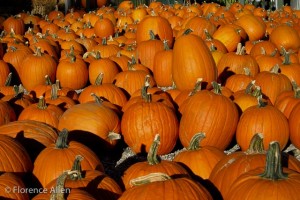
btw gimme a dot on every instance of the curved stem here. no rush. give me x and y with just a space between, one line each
256 144
97 98
77 167
150 178
113 136
59 193
62 140
152 157
197 87
274 170
195 141
216 87
99 79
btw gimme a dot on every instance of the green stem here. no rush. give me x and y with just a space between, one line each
274 170
152 157
62 140
275 69
8 79
99 79
77 167
260 101
216 87
42 103
195 141
187 31
54 90
197 87
150 178
249 87
256 144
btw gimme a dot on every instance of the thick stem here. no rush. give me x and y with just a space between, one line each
113 136
216 87
249 87
59 192
150 178
99 79
166 46
286 56
8 79
247 71
62 140
275 69
97 98
274 170
152 35
256 144
197 87
54 90
48 80
195 141
144 90
77 167
260 102
42 103
152 157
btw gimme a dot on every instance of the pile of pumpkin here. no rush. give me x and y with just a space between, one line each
75 87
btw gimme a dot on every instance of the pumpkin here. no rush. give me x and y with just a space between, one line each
160 27
185 70
151 165
104 27
147 49
200 160
14 157
59 191
161 186
272 83
42 112
72 73
273 180
92 121
11 187
143 120
289 43
264 119
33 135
4 71
95 182
59 156
102 65
211 113
7 113
14 23
35 67
238 82
294 125
235 62
162 66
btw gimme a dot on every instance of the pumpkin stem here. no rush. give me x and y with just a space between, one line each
77 167
145 87
8 79
256 144
48 80
113 136
247 71
152 35
152 157
38 51
62 140
249 87
286 56
99 79
274 170
97 98
296 89
208 36
195 141
54 91
256 92
42 103
150 178
59 193
240 49
166 46
197 87
187 31
216 87
260 101
104 41
275 69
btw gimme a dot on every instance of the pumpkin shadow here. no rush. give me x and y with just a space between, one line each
224 75
211 188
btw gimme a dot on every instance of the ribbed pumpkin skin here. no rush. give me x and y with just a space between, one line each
192 59
14 157
251 186
10 180
142 121
35 68
268 121
175 189
210 113
294 124
52 161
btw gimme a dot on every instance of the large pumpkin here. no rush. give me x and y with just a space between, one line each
192 59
